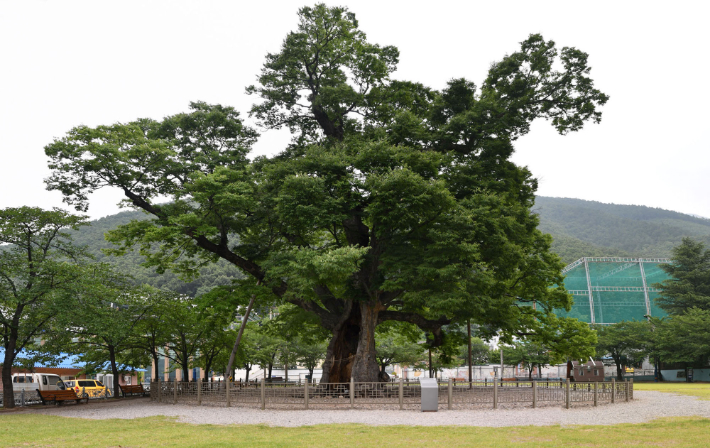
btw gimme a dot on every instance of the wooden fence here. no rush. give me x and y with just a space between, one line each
459 395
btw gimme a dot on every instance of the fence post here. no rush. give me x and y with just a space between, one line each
567 396
450 392
175 389
305 392
534 390
626 390
352 392
631 388
401 394
613 390
160 390
263 394
226 390
495 394
596 393
199 392
22 398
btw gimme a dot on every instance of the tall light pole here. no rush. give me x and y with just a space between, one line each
470 368
501 360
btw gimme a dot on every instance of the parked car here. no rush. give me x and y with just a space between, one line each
89 388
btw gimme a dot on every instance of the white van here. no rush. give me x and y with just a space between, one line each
33 381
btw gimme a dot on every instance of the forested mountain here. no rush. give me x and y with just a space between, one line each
579 228
220 273
588 228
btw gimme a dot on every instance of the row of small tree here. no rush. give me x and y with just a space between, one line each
56 301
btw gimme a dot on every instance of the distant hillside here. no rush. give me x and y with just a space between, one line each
588 228
220 273
579 229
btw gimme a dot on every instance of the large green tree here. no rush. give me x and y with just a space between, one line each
394 201
399 343
99 321
37 273
626 342
689 285
529 355
683 335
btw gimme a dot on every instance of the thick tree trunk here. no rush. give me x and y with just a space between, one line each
619 370
248 369
431 367
351 351
114 370
365 368
342 349
155 361
8 396
186 372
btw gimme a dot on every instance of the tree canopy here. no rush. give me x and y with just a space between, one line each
683 335
38 270
626 342
394 201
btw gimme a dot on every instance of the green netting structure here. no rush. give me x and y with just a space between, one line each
613 289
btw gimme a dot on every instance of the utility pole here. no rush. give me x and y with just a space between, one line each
470 368
501 360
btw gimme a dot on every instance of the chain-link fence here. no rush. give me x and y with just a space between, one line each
458 395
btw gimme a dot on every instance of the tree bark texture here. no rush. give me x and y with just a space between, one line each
351 351
8 396
114 370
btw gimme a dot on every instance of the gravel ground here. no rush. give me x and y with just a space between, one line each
647 405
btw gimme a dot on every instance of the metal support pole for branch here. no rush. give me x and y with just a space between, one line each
245 319
160 389
534 391
613 390
175 388
495 394
226 388
199 392
450 390
596 393
567 396
352 392
401 394
305 394
263 394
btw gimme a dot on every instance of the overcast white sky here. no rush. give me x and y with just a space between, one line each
65 63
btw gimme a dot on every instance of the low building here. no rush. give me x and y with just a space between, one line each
590 371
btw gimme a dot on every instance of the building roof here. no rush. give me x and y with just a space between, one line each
63 361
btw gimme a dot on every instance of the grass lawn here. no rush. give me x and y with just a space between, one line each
32 430
701 390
